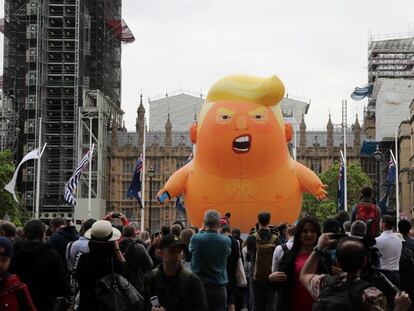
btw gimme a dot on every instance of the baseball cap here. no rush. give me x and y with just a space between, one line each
6 247
170 241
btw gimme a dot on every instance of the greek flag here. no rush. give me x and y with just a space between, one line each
361 92
70 187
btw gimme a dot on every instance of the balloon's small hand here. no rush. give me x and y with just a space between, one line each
321 193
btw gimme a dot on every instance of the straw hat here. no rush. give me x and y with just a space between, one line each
102 231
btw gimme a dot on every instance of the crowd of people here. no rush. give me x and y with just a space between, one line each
361 261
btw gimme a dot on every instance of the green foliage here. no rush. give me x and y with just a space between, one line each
327 208
17 213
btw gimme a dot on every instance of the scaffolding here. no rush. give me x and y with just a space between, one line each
56 52
96 117
391 57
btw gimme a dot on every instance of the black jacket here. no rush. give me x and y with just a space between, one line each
182 292
42 269
61 238
232 262
138 261
89 270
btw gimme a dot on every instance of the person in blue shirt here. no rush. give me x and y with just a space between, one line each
209 251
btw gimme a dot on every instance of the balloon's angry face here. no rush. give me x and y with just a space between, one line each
240 139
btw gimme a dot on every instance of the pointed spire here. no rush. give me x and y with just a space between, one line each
329 129
356 124
168 136
302 139
168 123
302 123
329 125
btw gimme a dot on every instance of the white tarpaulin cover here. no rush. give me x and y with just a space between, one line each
392 106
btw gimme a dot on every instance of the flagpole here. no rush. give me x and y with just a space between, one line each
344 118
143 179
90 171
38 173
397 179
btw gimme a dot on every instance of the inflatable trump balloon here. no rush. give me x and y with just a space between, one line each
242 163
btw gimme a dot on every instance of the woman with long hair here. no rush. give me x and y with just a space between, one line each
292 294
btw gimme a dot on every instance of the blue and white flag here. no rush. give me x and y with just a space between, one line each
340 204
135 187
361 92
71 185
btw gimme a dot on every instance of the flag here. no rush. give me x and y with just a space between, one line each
70 187
179 205
34 154
361 92
391 175
383 204
340 204
135 187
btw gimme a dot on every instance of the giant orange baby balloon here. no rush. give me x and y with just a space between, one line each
242 163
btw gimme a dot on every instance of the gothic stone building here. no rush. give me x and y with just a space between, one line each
319 150
167 150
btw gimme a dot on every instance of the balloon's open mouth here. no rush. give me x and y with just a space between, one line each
241 144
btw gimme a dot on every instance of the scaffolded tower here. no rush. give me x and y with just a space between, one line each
56 51
390 57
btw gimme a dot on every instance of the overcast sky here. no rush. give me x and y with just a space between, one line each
317 47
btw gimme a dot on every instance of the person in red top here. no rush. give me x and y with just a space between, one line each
14 294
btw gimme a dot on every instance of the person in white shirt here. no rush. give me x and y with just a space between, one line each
280 250
390 246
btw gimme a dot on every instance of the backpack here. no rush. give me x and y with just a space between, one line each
264 256
368 213
114 292
340 296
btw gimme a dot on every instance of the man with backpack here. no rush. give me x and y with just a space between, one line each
260 247
283 249
347 291
368 212
170 287
62 234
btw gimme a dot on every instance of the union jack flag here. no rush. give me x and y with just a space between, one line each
70 187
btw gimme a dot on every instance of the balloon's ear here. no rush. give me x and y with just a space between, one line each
288 132
193 132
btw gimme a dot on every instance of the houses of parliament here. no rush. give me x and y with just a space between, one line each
168 146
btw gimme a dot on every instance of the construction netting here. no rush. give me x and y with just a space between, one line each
121 30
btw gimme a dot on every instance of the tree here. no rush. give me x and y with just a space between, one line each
17 213
356 179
